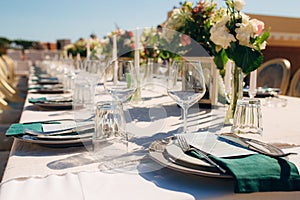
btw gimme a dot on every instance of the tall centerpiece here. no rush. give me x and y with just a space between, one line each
235 36
227 34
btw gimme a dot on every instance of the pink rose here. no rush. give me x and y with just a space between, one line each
130 34
258 24
185 40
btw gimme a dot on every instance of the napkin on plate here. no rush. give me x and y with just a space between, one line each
35 87
18 129
260 173
37 100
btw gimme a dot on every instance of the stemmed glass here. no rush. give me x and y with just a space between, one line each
186 85
120 79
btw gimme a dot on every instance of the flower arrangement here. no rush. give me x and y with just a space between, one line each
193 21
149 41
226 33
125 43
80 47
235 36
162 44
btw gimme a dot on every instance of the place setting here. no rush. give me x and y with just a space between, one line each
230 155
46 80
54 133
52 102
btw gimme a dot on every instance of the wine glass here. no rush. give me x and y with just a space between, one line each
186 85
120 79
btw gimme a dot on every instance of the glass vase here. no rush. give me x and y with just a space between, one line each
236 92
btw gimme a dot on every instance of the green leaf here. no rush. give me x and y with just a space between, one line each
263 37
220 59
244 57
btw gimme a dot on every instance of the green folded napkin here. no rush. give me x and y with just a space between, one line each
37 100
260 173
35 87
38 79
18 129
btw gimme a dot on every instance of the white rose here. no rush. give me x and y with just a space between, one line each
238 4
175 12
221 37
244 32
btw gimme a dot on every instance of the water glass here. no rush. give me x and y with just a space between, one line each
83 94
248 117
110 135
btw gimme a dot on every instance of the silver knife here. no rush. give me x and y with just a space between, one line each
254 145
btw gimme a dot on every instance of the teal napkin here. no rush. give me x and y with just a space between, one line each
37 100
260 173
18 129
35 87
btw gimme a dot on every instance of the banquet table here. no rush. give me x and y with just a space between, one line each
37 171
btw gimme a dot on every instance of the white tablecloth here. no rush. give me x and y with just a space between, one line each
39 172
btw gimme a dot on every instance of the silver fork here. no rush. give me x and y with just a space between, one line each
186 147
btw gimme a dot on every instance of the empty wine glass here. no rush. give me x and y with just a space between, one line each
120 79
186 85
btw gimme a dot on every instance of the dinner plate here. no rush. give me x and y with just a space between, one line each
55 143
175 152
54 105
48 81
263 92
48 91
159 154
68 139
65 136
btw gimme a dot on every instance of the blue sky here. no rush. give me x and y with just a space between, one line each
49 20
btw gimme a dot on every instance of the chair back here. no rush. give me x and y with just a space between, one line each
274 73
295 85
10 66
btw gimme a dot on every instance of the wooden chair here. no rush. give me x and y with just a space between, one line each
17 81
274 73
10 67
295 85
7 88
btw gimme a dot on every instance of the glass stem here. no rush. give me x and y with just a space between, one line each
185 113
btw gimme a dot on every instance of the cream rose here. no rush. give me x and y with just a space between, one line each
221 37
238 4
244 32
259 26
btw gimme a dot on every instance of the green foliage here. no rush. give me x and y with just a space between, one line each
26 44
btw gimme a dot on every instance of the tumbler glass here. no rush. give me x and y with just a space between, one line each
248 117
110 135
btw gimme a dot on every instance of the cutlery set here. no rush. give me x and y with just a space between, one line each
254 145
